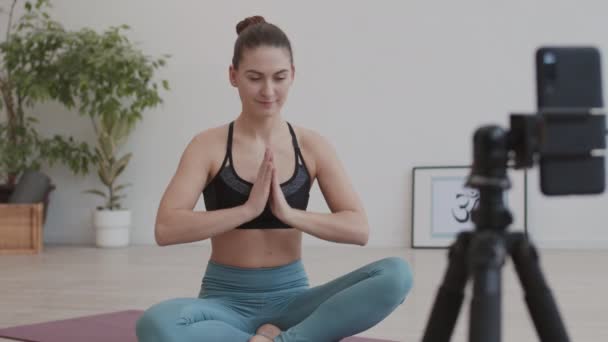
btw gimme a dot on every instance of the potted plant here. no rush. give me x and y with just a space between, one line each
102 75
32 70
113 86
111 221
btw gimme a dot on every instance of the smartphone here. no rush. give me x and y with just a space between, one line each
568 77
569 81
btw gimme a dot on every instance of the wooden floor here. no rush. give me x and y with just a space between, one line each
65 282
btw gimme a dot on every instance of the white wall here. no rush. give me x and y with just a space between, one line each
393 84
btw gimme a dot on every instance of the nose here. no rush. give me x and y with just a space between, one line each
267 89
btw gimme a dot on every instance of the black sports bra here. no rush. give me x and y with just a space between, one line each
227 190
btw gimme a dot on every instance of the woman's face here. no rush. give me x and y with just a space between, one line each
263 79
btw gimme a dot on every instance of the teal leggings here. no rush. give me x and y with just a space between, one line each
234 302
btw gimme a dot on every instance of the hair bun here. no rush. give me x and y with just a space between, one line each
245 23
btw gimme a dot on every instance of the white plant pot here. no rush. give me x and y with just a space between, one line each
112 228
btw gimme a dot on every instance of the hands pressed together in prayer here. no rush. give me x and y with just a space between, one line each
267 190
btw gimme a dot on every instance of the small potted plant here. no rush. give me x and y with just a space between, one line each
113 87
111 221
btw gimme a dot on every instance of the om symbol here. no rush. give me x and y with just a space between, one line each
466 201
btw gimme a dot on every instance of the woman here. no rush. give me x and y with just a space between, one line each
255 174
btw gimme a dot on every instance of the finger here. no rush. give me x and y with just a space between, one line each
262 171
267 183
265 165
272 176
268 176
275 180
274 183
267 156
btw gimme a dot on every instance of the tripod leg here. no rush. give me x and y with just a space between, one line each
487 255
541 305
450 295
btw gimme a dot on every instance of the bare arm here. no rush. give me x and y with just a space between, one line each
176 221
347 222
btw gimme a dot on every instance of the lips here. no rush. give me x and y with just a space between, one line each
266 104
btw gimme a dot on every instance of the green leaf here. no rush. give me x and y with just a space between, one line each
40 3
116 198
122 186
96 192
104 176
120 165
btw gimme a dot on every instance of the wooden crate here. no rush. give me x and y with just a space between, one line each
21 228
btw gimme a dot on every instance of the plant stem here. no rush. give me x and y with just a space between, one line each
20 113
9 104
5 85
111 187
95 129
7 95
10 20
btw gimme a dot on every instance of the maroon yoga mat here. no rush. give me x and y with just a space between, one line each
115 326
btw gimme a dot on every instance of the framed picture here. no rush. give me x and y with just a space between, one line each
442 205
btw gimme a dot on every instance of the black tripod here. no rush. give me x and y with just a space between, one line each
481 254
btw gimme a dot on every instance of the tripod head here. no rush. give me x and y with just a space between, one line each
569 144
489 176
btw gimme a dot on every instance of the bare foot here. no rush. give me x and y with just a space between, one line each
259 338
269 331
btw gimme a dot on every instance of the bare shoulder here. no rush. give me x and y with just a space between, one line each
209 138
331 175
210 145
309 137
198 160
315 144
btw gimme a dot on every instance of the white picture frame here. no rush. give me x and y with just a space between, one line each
441 204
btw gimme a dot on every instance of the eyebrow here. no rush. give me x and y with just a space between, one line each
260 73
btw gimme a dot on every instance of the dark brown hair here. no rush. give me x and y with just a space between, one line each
254 32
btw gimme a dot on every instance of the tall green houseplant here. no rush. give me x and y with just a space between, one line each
111 135
102 75
113 85
33 70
